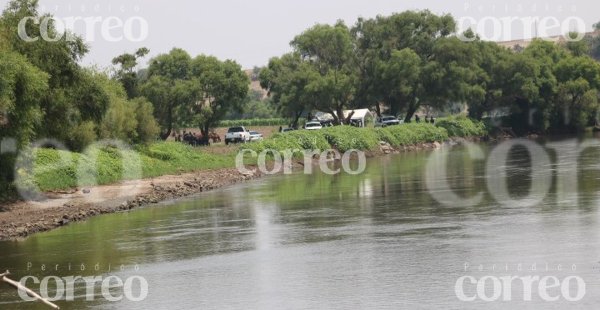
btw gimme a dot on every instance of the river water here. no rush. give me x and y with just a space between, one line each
377 240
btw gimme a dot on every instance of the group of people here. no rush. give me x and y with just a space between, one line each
196 139
427 119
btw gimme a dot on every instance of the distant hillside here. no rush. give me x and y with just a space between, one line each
516 44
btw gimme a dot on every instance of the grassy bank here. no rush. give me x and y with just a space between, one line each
345 138
55 169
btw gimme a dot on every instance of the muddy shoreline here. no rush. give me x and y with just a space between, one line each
21 219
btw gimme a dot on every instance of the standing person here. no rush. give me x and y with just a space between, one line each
417 119
280 129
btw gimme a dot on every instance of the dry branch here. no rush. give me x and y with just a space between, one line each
29 292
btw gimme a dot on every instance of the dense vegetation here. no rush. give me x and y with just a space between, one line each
415 61
344 138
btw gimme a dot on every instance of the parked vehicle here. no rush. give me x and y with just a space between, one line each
237 135
255 136
385 121
313 126
287 130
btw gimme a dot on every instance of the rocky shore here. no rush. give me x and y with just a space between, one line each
21 219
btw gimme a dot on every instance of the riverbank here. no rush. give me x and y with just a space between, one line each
171 171
21 219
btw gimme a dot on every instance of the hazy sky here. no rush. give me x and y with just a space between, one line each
251 32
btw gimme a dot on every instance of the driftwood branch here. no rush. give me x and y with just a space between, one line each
29 292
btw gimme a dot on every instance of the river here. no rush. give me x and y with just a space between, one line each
377 240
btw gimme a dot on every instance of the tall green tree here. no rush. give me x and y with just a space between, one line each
126 73
21 86
286 79
223 87
330 52
377 40
73 97
577 92
169 88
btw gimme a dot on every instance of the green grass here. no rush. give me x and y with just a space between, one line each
56 169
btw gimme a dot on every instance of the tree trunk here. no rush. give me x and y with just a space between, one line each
412 108
378 109
340 115
205 130
164 136
295 121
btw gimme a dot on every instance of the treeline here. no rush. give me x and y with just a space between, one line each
46 94
401 63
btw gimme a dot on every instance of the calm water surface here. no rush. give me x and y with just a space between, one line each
372 241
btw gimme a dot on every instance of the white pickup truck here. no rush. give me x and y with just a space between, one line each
237 135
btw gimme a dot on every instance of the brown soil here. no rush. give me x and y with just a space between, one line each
21 219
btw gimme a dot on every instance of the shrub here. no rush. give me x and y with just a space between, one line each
83 135
147 127
413 133
345 138
301 140
462 126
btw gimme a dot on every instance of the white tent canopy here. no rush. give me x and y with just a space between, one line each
360 115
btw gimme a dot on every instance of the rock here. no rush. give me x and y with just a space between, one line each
86 190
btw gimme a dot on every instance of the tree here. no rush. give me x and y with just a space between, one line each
286 80
453 74
169 88
495 64
73 95
21 84
578 47
126 73
377 40
223 86
399 79
329 51
577 92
